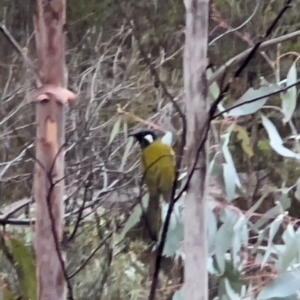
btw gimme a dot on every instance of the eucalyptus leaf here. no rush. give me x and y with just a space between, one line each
223 243
273 230
250 108
243 136
178 295
24 258
125 130
276 141
289 98
212 229
176 216
212 270
214 87
229 160
115 131
176 230
271 213
128 147
273 134
229 174
174 240
241 229
290 252
232 295
258 203
235 250
289 233
221 108
285 285
222 295
212 163
216 170
283 204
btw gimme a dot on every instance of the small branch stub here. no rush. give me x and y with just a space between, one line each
50 91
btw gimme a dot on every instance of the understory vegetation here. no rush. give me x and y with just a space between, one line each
254 187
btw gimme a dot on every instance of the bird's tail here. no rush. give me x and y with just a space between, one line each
152 217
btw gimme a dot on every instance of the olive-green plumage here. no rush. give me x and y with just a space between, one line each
159 169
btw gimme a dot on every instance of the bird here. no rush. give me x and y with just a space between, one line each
159 172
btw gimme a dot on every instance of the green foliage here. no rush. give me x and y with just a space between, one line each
243 136
128 149
233 234
230 175
284 286
175 231
252 107
264 145
105 65
289 98
276 141
115 130
25 262
22 260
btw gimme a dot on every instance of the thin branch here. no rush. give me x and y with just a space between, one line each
87 186
14 208
213 108
28 222
231 30
133 24
223 24
284 89
220 71
249 57
90 256
56 240
154 73
28 62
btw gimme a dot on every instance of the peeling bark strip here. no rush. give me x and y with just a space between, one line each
51 99
195 87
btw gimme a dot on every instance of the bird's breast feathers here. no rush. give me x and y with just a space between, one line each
159 153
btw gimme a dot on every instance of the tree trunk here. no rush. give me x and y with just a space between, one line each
195 85
50 101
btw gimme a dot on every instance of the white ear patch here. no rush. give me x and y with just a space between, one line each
167 138
149 138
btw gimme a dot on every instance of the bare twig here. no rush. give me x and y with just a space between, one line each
28 62
249 56
90 256
284 89
220 71
87 186
56 239
231 30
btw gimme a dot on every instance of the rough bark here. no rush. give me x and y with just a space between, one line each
50 100
195 85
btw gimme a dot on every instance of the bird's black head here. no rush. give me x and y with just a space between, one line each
145 137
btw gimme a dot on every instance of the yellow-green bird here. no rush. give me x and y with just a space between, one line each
159 171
